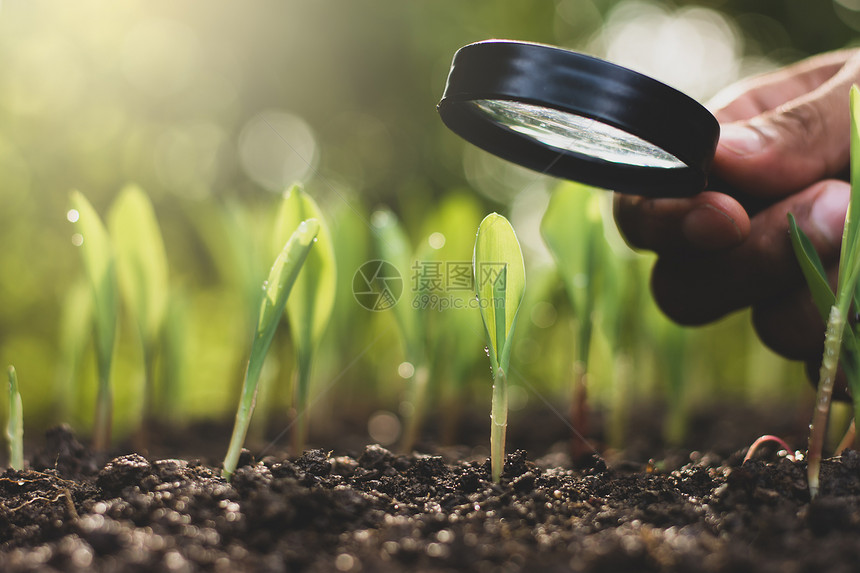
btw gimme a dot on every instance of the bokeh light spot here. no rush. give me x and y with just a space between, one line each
276 149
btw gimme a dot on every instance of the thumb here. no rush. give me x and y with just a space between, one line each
793 146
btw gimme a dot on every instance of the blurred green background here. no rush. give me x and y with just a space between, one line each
215 107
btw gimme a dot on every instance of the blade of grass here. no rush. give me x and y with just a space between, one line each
276 290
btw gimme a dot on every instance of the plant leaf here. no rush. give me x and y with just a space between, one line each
141 260
276 291
99 264
282 277
392 246
498 254
310 304
573 231
813 269
849 258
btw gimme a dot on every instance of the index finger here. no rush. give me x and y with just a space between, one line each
709 221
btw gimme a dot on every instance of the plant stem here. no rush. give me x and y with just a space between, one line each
302 399
499 424
246 407
418 398
104 409
826 377
579 448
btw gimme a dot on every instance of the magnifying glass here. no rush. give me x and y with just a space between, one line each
580 118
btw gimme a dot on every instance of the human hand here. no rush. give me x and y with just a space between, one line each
784 147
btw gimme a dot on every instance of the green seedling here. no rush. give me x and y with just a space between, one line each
276 290
392 246
310 305
451 323
500 281
99 264
141 265
834 307
15 425
572 230
76 323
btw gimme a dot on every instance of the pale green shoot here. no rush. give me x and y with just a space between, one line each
141 264
393 246
573 232
15 424
310 305
98 258
452 336
834 307
75 329
500 282
276 290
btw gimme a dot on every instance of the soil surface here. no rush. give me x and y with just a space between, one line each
377 511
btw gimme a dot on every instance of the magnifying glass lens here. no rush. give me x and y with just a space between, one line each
570 132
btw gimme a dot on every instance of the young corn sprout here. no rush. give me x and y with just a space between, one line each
15 424
451 334
141 265
276 289
392 246
75 329
310 305
99 263
500 281
572 230
834 307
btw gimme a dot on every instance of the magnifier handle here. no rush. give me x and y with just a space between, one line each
751 203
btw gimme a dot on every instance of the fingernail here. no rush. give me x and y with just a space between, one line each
742 139
828 213
706 227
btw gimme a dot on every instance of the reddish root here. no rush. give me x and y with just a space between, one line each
768 438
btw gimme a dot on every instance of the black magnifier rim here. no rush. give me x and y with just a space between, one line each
568 81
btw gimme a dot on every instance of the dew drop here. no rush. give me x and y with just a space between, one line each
487 350
72 215
77 239
265 285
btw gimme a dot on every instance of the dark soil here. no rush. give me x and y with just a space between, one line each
378 511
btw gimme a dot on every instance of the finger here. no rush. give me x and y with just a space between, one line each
754 96
794 145
791 325
709 221
696 287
